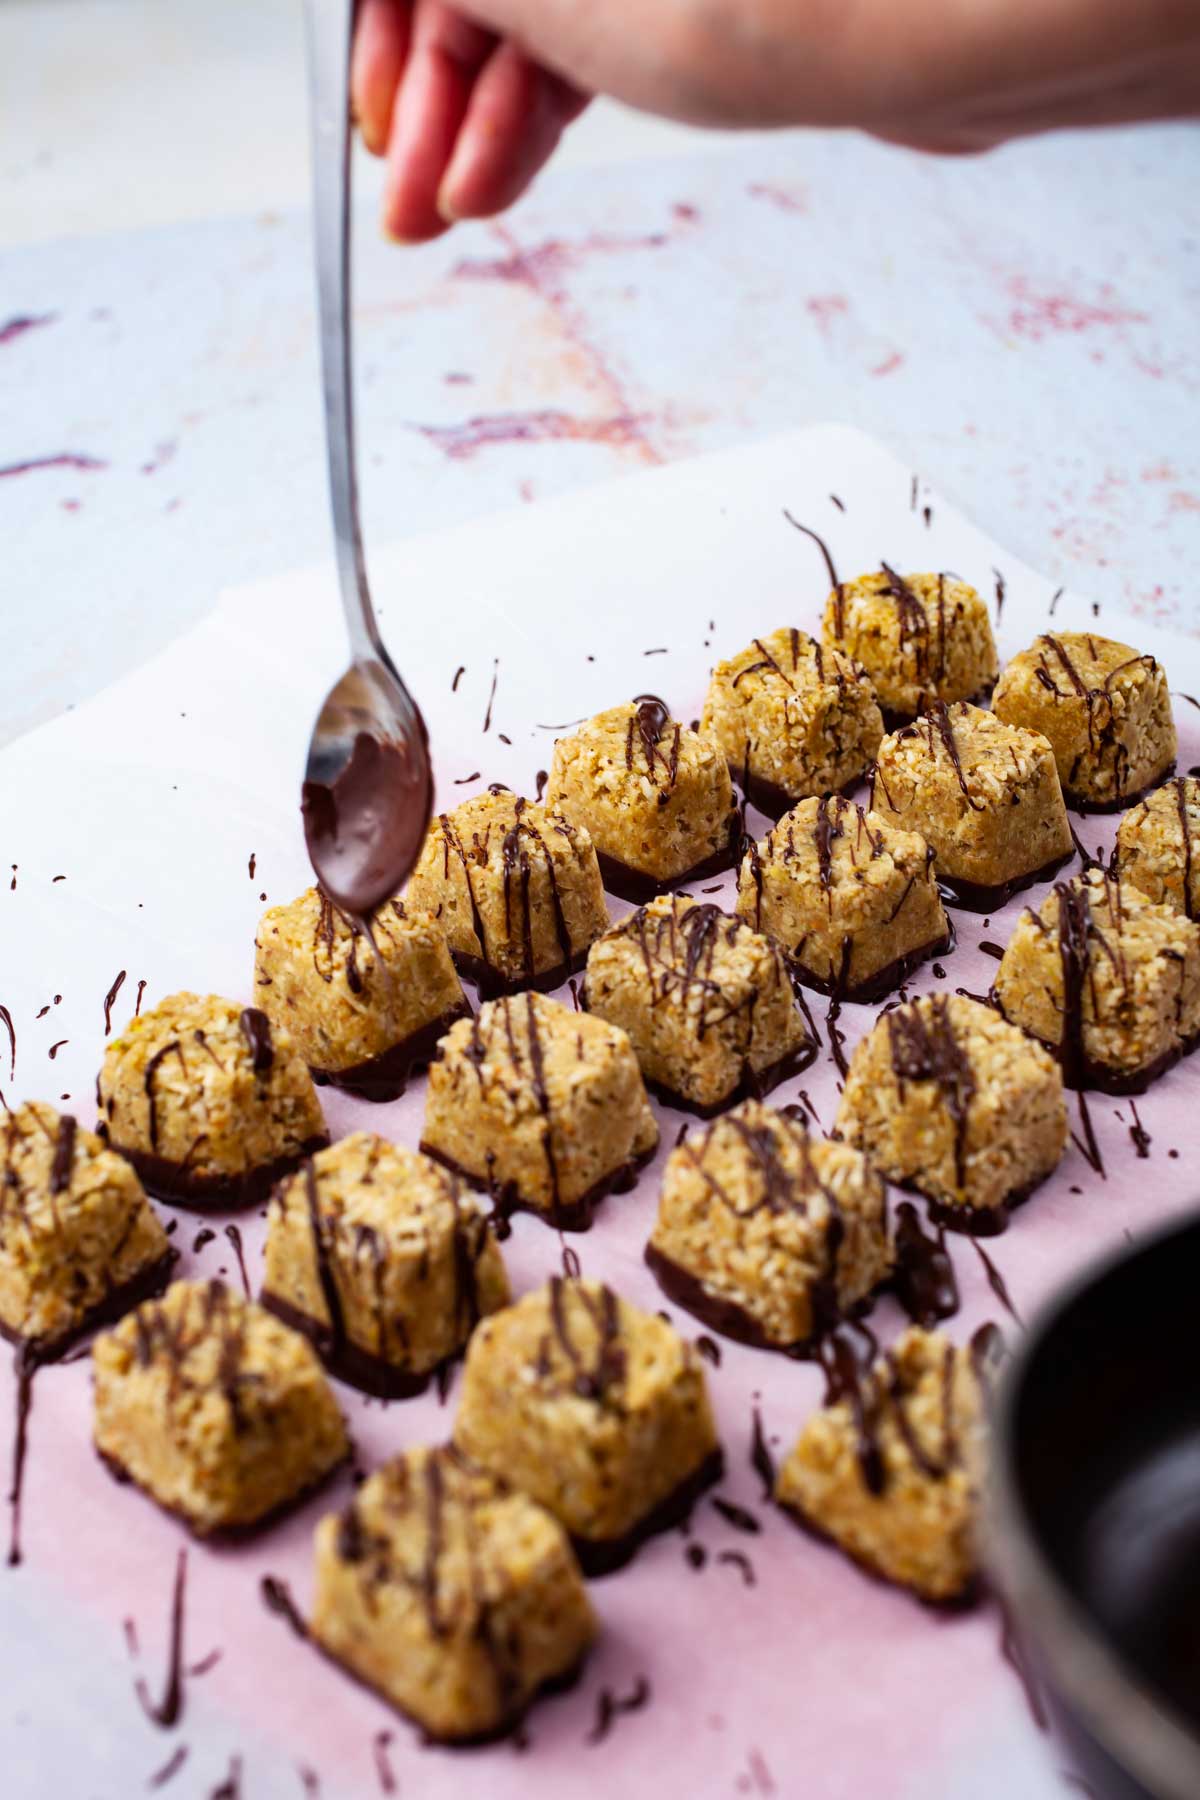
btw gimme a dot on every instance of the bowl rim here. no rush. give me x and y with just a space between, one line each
1128 1719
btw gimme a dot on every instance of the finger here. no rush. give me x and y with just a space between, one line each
516 115
381 34
446 54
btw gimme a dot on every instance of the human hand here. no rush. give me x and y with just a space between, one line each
947 75
464 118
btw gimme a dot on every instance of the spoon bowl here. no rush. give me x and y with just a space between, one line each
368 788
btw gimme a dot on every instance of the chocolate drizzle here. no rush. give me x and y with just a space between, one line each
995 1280
256 1029
761 1460
26 1364
793 1186
610 1706
924 1280
109 999
924 1048
1103 721
64 1155
839 604
523 846
650 719
323 1260
595 1376
235 1238
679 947
277 1598
6 1021
169 1709
938 715
911 618
151 1070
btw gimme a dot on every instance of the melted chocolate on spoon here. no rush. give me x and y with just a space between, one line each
365 830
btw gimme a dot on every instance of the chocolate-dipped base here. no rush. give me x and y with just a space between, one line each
896 721
226 1534
728 1318
1080 803
773 801
1099 1078
508 1727
385 1077
147 1284
180 1186
604 1556
491 984
876 986
636 886
976 1221
970 896
362 1369
507 1199
963 1601
755 1084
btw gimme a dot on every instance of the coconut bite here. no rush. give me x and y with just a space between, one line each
945 1096
516 889
364 1010
79 1242
852 900
214 1409
983 795
919 638
1105 709
1105 978
597 1410
380 1258
655 796
455 1598
768 1234
542 1107
1158 846
208 1101
890 1469
792 719
707 1002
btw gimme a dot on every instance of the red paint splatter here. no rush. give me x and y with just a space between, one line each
892 361
542 270
685 212
825 308
1183 502
16 327
460 442
163 454
551 260
786 199
66 459
1038 315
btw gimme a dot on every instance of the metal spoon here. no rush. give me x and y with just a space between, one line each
368 786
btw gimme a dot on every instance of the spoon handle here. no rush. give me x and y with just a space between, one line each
330 33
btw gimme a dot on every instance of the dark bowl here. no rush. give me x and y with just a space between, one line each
1093 1530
